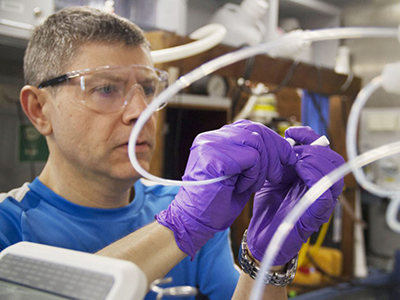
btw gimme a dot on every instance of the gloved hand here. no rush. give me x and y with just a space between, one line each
248 151
274 201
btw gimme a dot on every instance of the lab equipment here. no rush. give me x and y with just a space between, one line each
379 126
33 271
19 17
260 107
289 43
206 37
196 214
181 291
388 80
244 22
351 138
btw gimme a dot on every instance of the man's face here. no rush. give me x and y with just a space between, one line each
95 143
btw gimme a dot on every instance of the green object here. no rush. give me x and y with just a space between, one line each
292 294
32 145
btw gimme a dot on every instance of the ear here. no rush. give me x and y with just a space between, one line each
34 102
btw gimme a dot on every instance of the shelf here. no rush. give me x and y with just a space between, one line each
266 69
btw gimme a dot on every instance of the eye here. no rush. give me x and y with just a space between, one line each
149 90
106 89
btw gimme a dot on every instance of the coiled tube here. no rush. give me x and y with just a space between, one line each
295 41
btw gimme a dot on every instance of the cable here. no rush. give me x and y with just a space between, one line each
248 69
287 78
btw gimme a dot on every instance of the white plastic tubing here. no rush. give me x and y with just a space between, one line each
389 81
206 37
291 42
351 138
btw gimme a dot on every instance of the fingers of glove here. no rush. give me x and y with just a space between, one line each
317 152
302 134
278 151
265 206
285 153
311 176
291 246
309 222
234 139
311 171
319 213
258 243
262 226
214 160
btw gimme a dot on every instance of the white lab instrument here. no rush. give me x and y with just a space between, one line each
40 272
19 17
244 22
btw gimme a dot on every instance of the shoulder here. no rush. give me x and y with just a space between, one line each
17 194
17 200
12 207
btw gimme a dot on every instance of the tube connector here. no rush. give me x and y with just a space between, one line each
390 76
291 43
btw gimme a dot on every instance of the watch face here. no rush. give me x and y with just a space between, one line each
217 86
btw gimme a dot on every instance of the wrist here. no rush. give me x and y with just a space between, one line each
277 275
258 263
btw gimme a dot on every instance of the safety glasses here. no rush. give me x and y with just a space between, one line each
109 89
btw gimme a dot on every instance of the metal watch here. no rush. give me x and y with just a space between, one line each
251 267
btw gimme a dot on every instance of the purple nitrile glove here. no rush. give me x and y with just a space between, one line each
274 201
250 152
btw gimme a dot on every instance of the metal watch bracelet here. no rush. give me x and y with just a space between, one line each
251 267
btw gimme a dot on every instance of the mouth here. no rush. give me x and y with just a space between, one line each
141 146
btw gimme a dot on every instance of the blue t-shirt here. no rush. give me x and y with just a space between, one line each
36 214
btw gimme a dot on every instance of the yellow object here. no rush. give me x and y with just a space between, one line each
305 248
303 254
328 259
311 277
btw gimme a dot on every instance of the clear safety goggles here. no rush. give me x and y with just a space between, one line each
109 89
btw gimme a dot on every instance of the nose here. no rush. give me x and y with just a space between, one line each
136 104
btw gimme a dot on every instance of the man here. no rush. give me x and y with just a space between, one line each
89 76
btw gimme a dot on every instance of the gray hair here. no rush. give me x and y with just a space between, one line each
57 41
